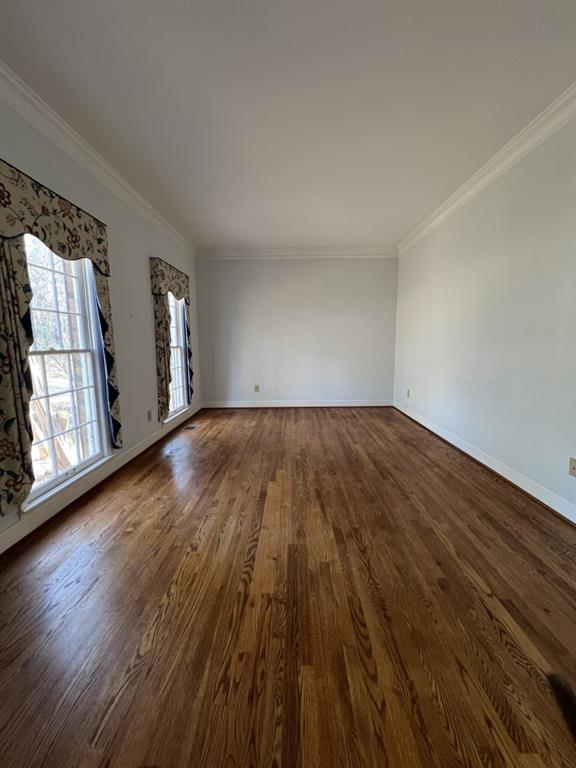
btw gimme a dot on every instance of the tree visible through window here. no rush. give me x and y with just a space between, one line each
178 371
66 366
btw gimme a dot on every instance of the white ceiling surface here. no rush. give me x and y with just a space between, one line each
296 123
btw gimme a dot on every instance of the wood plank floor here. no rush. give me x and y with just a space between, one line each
291 587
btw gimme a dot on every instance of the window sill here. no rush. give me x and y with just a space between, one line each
56 490
175 414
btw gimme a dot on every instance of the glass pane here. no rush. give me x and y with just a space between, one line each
39 418
176 398
45 329
172 305
67 266
82 373
64 410
42 288
37 252
67 292
61 409
57 373
89 441
38 383
173 336
72 336
66 450
86 405
42 462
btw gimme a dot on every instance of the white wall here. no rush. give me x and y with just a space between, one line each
486 326
306 330
132 239
485 320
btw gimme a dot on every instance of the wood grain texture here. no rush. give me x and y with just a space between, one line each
316 588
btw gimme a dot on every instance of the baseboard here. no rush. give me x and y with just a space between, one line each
559 504
297 403
43 510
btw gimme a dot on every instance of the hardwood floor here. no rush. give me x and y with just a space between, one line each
280 587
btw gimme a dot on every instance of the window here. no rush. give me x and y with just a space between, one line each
178 362
67 409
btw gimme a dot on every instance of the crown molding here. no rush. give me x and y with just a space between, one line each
550 120
296 252
22 99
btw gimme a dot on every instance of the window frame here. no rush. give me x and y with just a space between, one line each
179 309
90 323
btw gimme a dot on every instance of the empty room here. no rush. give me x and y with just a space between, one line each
287 383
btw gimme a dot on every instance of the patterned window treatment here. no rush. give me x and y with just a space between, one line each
16 474
167 279
27 207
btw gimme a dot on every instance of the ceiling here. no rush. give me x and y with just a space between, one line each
294 123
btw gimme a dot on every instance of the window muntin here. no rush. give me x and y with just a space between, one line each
66 408
178 372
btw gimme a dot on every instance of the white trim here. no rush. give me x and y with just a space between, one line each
296 252
545 495
45 507
297 403
550 120
23 100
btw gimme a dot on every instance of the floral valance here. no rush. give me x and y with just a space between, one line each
28 207
167 279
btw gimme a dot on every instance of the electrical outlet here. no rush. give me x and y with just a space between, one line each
408 394
149 415
256 387
573 466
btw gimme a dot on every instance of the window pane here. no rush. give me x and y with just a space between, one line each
61 410
66 451
65 265
67 293
42 288
57 373
81 364
38 383
176 398
65 407
42 462
37 252
72 336
39 418
177 361
89 441
45 329
86 405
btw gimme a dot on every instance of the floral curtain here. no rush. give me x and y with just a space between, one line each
27 207
16 473
167 279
